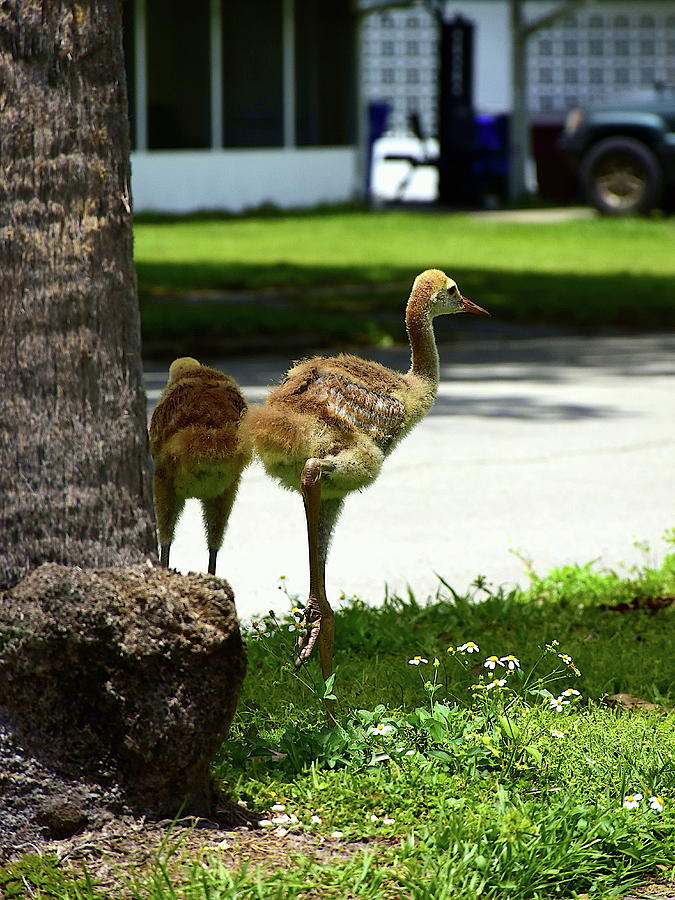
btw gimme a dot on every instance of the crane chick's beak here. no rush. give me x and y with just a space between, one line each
471 307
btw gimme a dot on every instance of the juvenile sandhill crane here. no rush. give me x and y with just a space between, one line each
327 428
198 450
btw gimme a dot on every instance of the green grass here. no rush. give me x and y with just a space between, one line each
590 274
480 795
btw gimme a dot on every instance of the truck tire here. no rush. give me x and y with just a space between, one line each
621 176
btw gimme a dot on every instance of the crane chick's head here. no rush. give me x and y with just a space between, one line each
182 366
442 295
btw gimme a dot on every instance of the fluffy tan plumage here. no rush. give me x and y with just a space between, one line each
326 430
198 450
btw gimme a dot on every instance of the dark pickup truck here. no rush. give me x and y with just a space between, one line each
624 154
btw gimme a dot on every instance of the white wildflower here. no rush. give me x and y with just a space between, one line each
381 729
491 662
632 801
511 662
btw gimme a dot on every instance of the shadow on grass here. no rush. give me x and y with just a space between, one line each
366 303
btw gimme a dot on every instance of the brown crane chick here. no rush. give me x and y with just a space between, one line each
326 430
197 446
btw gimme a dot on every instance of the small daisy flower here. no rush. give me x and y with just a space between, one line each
297 613
337 835
566 658
416 660
570 692
374 818
491 662
469 647
381 729
632 801
296 626
497 682
557 734
278 807
511 662
656 803
558 705
386 820
316 820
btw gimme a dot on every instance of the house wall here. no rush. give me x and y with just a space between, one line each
601 50
187 180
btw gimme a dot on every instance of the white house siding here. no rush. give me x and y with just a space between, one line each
186 180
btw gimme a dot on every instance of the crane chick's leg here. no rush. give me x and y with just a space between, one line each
321 517
168 507
216 513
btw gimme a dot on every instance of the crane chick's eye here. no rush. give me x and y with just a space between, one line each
452 289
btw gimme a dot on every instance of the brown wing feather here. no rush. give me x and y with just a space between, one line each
356 406
354 394
193 401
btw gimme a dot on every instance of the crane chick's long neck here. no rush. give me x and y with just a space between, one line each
424 354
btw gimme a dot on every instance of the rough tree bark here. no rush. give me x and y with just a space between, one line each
74 469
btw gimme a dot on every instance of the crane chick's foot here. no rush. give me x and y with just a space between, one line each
164 555
307 639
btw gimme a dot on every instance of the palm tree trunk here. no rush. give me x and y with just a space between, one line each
74 469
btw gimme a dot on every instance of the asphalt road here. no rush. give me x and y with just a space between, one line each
559 449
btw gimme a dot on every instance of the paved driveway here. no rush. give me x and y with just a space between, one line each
558 449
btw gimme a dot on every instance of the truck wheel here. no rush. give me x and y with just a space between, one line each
621 177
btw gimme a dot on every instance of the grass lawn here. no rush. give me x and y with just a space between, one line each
590 273
450 779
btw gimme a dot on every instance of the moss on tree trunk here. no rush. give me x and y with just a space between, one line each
74 469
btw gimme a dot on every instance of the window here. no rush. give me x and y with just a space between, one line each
571 76
178 74
545 47
570 48
387 48
252 73
596 47
546 76
621 47
325 73
596 76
